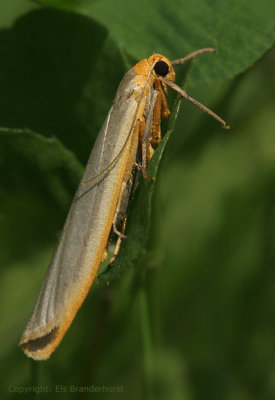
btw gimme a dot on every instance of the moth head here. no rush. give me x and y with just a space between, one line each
162 66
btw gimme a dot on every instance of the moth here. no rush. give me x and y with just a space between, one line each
126 143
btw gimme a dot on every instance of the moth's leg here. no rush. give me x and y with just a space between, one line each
126 193
119 240
120 214
165 110
118 210
156 131
146 137
161 111
149 148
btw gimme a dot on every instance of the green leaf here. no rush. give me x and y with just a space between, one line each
241 31
65 4
55 76
11 10
37 183
178 28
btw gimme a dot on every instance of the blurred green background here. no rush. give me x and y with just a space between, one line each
192 315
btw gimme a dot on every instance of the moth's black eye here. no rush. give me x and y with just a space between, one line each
161 68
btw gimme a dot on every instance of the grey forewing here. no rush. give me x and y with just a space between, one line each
83 226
